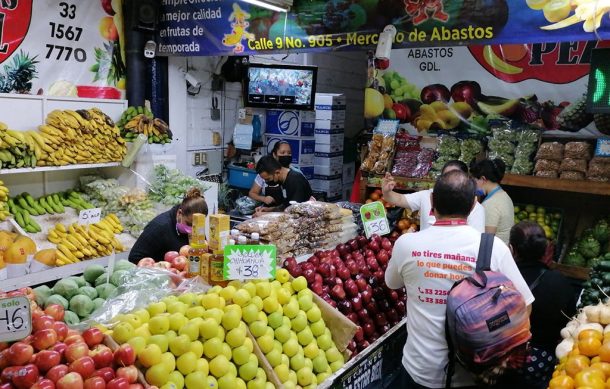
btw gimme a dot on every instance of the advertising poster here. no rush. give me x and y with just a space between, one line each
230 27
463 88
62 48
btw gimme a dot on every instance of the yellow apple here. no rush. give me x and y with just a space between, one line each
150 356
187 362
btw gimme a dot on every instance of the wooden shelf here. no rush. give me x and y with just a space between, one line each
58 168
589 187
401 182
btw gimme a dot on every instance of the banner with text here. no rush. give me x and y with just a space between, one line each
225 27
463 88
62 48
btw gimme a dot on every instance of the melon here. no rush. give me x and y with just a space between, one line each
16 254
5 240
46 256
28 244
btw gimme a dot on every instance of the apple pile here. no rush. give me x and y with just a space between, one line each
352 278
173 261
54 356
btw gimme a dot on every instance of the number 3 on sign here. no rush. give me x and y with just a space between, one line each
374 219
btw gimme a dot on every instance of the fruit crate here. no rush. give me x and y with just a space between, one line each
576 272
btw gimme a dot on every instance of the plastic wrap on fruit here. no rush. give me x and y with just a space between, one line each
469 149
522 166
525 150
508 159
245 205
501 146
501 131
528 136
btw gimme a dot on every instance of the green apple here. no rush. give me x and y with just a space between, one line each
226 350
193 312
297 362
122 332
305 292
320 364
289 385
282 275
291 347
156 308
292 376
283 296
232 369
197 348
202 366
317 328
247 371
263 289
170 335
250 313
240 355
282 372
220 334
143 314
274 357
157 375
304 376
249 345
288 286
137 343
214 313
322 376
251 288
257 384
275 320
208 329
169 299
286 322
227 292
299 283
231 319
265 342
133 320
285 360
210 383
211 300
219 366
176 378
187 362
212 347
240 384
305 302
176 321
305 336
311 350
291 308
262 316
187 298
258 328
252 358
269 331
282 333
191 330
308 363
277 345
195 380
299 322
227 381
260 374
333 354
325 342
169 361
160 340
142 331
241 297
314 314
150 356
177 307
336 365
158 325
235 337
179 345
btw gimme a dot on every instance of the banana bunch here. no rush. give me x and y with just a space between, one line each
4 211
74 200
17 148
557 12
77 242
82 136
139 120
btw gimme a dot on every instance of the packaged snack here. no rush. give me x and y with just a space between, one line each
547 173
550 150
577 150
381 150
546 164
575 165
568 175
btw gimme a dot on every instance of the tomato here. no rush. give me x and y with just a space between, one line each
589 346
561 382
575 364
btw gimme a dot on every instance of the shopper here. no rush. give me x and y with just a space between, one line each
555 303
170 230
427 264
420 201
294 185
499 210
272 195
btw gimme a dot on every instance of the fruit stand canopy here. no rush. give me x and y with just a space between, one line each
204 28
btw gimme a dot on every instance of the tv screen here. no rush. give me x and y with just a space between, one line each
280 86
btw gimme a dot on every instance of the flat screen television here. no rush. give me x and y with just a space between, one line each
280 86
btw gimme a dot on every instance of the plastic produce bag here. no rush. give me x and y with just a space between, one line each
575 165
168 186
550 150
577 150
245 205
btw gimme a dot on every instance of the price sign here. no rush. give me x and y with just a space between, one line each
602 149
249 262
15 318
374 219
90 216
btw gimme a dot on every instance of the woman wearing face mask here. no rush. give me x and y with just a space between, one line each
170 230
272 194
499 210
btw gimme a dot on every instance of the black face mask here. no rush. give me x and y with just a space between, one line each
284 160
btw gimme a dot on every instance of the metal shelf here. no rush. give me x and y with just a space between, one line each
55 273
41 169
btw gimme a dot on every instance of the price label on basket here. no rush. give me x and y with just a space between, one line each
249 262
15 318
374 219
90 216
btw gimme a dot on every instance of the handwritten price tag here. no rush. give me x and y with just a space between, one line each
90 216
15 318
374 219
249 262
603 147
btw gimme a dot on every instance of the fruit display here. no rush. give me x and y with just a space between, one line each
80 242
79 296
352 278
15 249
140 120
168 186
19 149
4 210
549 219
380 152
173 261
597 288
377 195
593 242
559 13
407 223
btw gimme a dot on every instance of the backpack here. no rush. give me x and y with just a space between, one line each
487 326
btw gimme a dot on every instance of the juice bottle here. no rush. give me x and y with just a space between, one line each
254 239
199 247
216 269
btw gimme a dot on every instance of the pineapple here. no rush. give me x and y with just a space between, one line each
575 117
18 75
602 122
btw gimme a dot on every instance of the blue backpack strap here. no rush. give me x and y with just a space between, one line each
485 249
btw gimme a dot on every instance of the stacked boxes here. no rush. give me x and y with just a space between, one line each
329 138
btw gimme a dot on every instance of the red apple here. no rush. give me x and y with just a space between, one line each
307 265
73 338
118 383
94 383
379 276
343 273
352 266
401 308
6 376
56 372
343 249
26 376
350 287
93 336
383 257
368 329
344 306
125 355
44 383
402 111
46 359
353 316
356 302
136 386
318 279
56 311
170 256
184 250
327 270
372 264
107 373
363 314
290 262
382 63
70 381
61 329
83 366
163 265
4 359
337 292
359 336
315 261
371 307
75 351
310 276
102 356
146 262
317 289
42 323
44 339
361 283
180 263
60 348
20 353
130 373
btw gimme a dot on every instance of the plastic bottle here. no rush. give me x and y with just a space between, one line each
242 240
254 238
197 265
256 129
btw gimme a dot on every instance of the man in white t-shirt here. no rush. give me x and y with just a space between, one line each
428 263
420 201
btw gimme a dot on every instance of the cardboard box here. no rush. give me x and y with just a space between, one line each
332 185
329 137
219 231
290 123
349 172
328 159
330 124
303 149
330 101
328 148
308 171
347 191
327 170
330 114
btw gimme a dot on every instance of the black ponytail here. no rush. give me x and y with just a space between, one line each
493 170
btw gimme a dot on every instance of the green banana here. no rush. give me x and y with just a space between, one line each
43 203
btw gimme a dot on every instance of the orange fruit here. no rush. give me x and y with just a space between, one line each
590 334
604 352
561 382
589 346
603 366
575 364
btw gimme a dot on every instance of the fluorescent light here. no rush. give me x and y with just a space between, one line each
268 5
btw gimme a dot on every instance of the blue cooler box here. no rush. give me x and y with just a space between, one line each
241 177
